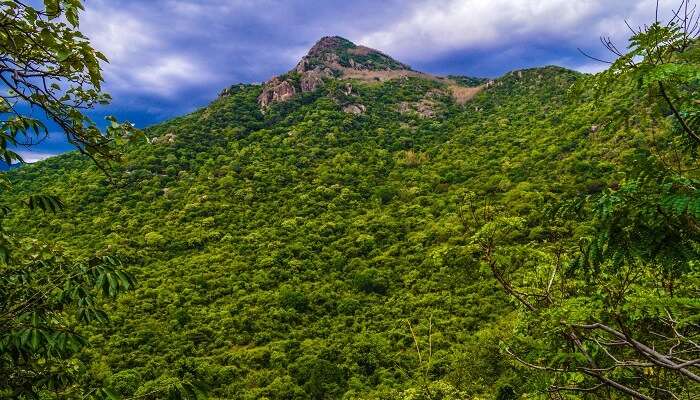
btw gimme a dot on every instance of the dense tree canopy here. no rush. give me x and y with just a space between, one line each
539 241
284 254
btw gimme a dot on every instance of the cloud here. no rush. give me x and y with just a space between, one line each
34 156
116 33
143 53
162 49
436 28
166 76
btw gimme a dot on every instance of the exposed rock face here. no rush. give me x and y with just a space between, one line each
424 108
337 54
356 109
311 81
336 57
168 138
331 56
276 90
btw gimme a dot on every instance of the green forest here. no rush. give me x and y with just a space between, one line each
539 241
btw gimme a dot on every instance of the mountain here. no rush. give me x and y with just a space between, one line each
340 55
338 58
303 238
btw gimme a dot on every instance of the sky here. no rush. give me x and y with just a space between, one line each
170 57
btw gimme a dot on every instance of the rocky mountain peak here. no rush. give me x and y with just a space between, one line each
338 54
334 57
330 57
330 44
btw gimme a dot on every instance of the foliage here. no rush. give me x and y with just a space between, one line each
48 65
280 255
312 253
614 309
468 80
50 76
43 294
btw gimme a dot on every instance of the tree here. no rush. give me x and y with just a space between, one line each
50 74
615 310
48 66
43 294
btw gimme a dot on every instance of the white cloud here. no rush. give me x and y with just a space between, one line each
184 51
169 72
34 156
210 8
591 68
436 27
117 34
142 57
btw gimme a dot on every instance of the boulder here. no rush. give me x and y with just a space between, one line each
168 138
310 81
276 90
356 109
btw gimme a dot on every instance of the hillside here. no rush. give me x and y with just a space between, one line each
290 239
333 57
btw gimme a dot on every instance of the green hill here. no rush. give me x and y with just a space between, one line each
300 250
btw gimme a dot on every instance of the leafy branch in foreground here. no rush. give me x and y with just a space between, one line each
617 324
617 311
657 77
50 75
43 295
48 67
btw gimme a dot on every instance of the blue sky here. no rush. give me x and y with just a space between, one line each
169 57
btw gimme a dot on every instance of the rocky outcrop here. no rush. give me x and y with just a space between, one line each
339 58
168 138
424 108
276 90
356 109
332 56
311 81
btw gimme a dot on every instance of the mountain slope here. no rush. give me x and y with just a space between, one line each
339 54
281 251
334 57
